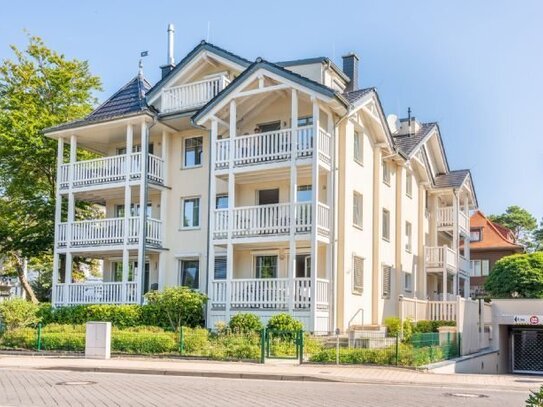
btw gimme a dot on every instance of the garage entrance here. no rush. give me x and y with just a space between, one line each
527 350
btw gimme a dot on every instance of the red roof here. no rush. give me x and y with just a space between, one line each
493 236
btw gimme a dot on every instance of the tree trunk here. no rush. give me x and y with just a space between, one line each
19 266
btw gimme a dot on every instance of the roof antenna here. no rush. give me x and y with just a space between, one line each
409 121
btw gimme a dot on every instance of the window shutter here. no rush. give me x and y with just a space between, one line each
387 271
358 275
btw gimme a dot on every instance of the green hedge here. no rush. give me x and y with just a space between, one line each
121 316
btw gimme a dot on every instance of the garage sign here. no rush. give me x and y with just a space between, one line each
528 319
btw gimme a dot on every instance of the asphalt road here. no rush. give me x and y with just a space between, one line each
61 388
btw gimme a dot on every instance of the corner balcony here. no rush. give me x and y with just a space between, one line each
109 171
271 221
192 95
104 233
445 220
271 147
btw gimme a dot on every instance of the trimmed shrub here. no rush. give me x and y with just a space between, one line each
431 326
18 313
393 326
284 322
143 342
196 340
245 323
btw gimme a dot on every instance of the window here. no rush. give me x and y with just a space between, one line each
386 173
358 275
408 282
191 213
480 268
304 193
409 184
193 152
134 210
189 271
305 121
266 266
220 268
358 148
221 202
271 126
358 210
387 274
408 237
303 266
386 225
135 149
475 235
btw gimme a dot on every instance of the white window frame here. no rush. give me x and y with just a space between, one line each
182 211
358 286
408 237
483 271
386 173
360 212
183 157
475 230
180 262
409 184
408 288
386 281
387 236
358 153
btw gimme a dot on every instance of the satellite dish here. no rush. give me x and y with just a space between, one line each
393 123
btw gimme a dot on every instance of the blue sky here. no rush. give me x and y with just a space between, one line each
476 67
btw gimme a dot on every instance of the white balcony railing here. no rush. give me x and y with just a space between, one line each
266 220
110 170
440 257
445 219
107 232
271 146
268 293
96 293
193 94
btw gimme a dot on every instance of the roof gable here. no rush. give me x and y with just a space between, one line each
193 54
274 69
409 144
494 236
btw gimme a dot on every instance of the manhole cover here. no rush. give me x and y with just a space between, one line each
467 395
75 383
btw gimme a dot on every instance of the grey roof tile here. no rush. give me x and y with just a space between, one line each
408 144
355 95
453 179
128 100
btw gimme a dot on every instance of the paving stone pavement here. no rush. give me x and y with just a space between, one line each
20 387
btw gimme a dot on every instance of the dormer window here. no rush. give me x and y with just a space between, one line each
476 235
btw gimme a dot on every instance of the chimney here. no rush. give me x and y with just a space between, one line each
350 68
170 64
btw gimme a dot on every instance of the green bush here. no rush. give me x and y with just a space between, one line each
536 398
143 342
181 305
236 346
21 338
245 323
392 325
284 322
18 313
196 341
431 326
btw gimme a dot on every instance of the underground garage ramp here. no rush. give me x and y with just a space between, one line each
527 350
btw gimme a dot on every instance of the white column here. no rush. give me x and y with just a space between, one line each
420 280
58 219
212 207
71 213
456 240
162 258
399 226
164 155
376 240
332 235
293 197
231 205
143 210
314 201
127 205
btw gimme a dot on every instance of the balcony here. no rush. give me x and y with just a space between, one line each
268 294
96 293
272 146
110 170
271 220
445 219
108 232
192 95
440 258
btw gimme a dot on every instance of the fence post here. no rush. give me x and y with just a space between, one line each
262 345
397 347
38 345
181 341
301 350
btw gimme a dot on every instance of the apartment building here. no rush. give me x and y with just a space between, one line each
271 187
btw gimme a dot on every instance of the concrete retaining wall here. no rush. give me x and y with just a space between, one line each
486 362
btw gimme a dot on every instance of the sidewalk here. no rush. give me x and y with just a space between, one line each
270 371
